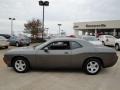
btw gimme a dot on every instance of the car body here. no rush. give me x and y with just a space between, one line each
107 40
91 39
19 40
61 53
117 44
4 42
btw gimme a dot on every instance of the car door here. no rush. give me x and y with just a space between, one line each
55 55
11 40
111 40
78 54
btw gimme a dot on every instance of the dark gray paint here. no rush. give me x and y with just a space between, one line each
63 58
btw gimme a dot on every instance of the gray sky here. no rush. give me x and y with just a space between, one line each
65 12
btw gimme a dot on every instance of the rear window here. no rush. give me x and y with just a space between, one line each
75 45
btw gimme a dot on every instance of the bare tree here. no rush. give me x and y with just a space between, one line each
33 27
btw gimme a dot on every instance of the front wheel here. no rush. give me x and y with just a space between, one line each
117 47
28 44
21 65
103 43
17 44
92 66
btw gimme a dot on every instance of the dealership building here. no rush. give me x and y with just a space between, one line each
111 27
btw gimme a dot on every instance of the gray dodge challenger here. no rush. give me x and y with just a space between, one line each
62 53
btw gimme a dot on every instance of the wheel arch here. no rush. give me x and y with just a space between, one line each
14 58
101 61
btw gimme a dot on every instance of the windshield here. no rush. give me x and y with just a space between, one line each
40 45
90 38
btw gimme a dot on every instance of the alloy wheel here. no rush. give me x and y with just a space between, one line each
93 67
20 65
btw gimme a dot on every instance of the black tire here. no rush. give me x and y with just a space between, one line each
17 67
28 44
103 43
86 66
6 47
17 44
117 47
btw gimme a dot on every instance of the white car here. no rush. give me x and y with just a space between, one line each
91 39
3 42
117 44
107 40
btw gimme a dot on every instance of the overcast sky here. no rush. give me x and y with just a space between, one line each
65 12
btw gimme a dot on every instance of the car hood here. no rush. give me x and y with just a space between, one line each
96 42
18 50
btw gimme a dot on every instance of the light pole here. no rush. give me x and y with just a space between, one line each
43 3
11 19
47 31
59 25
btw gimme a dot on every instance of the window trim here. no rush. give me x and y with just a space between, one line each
56 41
77 43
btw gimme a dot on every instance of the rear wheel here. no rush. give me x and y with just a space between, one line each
21 65
28 44
92 66
17 44
117 47
6 47
103 43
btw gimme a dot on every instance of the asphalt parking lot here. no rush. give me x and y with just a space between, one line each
107 79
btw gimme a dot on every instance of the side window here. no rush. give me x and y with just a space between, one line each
11 38
59 45
75 45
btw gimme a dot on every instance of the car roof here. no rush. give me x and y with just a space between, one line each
105 35
87 36
65 39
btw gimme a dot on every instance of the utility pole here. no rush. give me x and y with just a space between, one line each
12 19
43 3
59 25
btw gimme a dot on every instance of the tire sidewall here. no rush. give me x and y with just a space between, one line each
117 47
17 44
103 43
86 63
26 62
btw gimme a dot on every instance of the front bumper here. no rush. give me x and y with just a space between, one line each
4 44
7 61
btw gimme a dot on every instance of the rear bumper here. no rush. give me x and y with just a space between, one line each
112 61
4 44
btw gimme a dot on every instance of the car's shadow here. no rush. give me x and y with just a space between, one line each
61 70
64 70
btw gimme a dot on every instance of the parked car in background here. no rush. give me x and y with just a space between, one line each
62 53
19 40
107 40
7 36
117 44
3 42
91 39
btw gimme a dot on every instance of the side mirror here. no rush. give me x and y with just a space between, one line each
46 49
